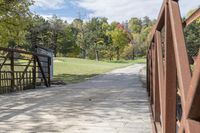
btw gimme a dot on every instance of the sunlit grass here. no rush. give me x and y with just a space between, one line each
72 70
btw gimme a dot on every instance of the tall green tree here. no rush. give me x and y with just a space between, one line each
120 40
83 40
192 34
57 27
140 38
135 25
14 21
66 43
146 22
97 29
38 29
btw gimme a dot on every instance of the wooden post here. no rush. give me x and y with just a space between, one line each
42 72
12 71
155 84
147 74
34 71
49 71
161 74
170 79
151 75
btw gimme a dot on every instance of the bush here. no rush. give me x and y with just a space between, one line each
128 52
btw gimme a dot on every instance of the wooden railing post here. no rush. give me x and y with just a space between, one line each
155 84
151 75
34 71
161 75
12 85
49 71
148 74
170 78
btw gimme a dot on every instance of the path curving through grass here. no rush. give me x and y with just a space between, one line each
73 70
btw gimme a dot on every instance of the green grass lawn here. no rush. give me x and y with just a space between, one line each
72 70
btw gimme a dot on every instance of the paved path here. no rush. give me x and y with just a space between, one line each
111 103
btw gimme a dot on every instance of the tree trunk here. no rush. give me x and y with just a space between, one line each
133 56
118 55
111 57
97 55
55 51
55 36
83 53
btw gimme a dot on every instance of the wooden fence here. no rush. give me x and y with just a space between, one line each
21 70
174 88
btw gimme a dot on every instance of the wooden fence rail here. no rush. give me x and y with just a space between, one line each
173 88
21 70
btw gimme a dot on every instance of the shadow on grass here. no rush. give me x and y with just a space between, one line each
70 78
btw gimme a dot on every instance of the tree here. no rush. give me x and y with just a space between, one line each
128 52
36 32
192 34
77 23
140 30
82 37
113 25
97 29
66 43
135 25
57 27
119 39
109 50
146 22
82 41
14 21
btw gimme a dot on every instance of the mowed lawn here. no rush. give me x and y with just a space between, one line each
72 70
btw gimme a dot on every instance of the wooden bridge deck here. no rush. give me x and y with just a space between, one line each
111 103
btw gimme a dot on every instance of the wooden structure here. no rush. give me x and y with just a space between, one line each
173 88
50 53
21 70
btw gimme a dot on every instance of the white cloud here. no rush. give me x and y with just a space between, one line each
116 10
68 19
120 10
53 4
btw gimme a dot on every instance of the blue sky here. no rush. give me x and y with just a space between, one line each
114 10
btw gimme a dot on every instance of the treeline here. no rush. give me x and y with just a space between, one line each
94 39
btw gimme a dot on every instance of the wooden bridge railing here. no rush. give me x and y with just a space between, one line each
21 70
173 88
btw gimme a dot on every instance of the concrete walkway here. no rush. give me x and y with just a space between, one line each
112 103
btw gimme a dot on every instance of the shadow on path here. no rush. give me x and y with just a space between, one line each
112 103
